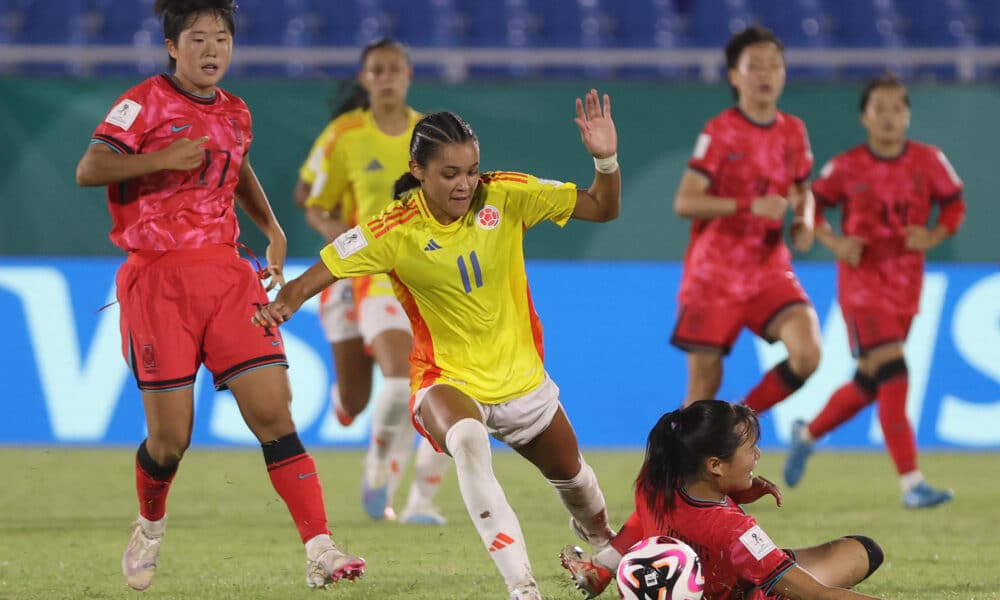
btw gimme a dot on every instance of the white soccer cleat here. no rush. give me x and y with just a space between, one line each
422 514
139 558
588 577
327 565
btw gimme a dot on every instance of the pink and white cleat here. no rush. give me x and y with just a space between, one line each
326 564
139 558
590 578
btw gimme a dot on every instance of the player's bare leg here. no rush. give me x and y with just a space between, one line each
454 422
169 418
844 562
797 327
704 376
354 379
264 398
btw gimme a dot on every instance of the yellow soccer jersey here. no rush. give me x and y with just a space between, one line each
463 285
311 167
360 159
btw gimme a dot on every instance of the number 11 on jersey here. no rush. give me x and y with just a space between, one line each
464 272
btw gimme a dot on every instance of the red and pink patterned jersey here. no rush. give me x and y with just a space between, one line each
879 198
176 210
738 560
742 159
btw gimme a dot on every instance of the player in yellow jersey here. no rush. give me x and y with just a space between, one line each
349 176
453 248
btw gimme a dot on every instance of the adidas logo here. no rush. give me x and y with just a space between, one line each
501 541
374 165
432 245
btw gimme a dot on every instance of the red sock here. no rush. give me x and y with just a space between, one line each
152 483
899 439
843 405
777 384
294 476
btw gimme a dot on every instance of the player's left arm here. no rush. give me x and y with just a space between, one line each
760 487
251 198
946 188
804 223
601 202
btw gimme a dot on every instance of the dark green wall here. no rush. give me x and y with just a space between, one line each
522 126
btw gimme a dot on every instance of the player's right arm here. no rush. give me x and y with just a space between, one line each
325 201
799 584
294 293
828 190
692 201
101 165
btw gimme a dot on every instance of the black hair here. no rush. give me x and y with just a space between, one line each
680 442
350 95
178 15
429 134
755 34
886 80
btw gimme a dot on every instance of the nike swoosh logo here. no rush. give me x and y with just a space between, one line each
306 475
175 128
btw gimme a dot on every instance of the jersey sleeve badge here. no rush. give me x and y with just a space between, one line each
124 113
350 242
757 542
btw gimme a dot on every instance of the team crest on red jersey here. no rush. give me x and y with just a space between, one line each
148 357
488 217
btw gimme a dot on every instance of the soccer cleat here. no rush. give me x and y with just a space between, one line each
798 454
329 565
139 558
375 491
423 514
526 591
923 495
587 577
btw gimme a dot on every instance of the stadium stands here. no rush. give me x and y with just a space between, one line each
494 36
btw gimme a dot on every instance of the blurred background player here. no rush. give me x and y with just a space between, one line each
349 177
887 188
750 164
697 472
173 153
454 249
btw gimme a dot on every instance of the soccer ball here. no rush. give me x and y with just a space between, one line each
660 568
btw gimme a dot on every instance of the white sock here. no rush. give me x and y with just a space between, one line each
429 468
583 499
805 436
389 418
608 559
492 515
399 457
910 480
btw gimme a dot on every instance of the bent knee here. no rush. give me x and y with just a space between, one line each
873 550
805 361
167 448
468 439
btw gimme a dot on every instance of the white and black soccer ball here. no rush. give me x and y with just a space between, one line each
660 568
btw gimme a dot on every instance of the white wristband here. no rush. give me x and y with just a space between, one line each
606 165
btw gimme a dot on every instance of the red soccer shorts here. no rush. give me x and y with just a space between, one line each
182 308
869 327
713 326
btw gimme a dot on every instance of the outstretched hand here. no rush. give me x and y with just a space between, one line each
760 487
597 129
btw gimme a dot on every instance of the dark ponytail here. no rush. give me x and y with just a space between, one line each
177 15
350 95
429 134
680 442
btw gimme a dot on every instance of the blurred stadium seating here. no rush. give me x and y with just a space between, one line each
940 39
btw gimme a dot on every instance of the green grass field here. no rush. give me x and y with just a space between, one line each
64 517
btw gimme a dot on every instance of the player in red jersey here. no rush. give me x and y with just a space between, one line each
750 164
173 153
698 470
886 188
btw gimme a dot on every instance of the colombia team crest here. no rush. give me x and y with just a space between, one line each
488 217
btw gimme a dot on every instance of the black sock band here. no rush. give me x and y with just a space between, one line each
875 554
151 467
891 369
788 377
866 382
282 448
